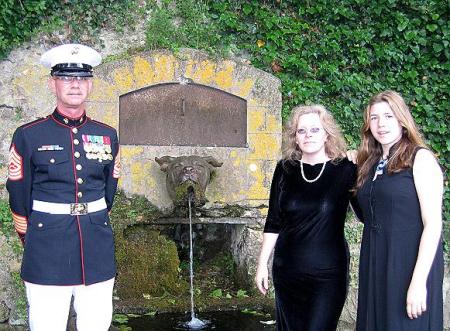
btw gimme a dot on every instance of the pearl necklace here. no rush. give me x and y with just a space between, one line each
311 180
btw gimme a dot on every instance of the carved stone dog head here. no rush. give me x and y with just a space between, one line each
188 174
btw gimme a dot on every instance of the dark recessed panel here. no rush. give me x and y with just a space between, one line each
173 114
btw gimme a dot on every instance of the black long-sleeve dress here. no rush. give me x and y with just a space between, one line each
310 265
390 244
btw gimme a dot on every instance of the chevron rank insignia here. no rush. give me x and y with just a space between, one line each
15 165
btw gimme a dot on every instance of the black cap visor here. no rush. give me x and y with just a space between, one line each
72 69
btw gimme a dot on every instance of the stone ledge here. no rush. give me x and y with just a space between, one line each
211 220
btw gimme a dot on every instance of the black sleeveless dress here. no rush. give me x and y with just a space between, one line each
391 237
310 265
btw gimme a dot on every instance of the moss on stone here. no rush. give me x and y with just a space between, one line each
147 265
147 262
182 194
234 210
132 210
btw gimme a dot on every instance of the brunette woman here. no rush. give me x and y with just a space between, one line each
399 189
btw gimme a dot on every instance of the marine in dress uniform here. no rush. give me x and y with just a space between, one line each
63 173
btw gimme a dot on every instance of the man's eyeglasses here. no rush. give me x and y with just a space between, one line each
70 79
303 131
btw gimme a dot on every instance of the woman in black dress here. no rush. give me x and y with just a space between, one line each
309 199
399 189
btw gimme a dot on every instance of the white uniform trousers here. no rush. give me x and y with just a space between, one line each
49 306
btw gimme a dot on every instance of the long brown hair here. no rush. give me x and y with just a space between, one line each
335 146
402 152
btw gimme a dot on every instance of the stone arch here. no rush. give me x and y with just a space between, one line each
246 173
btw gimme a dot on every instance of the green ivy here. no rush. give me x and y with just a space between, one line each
18 19
82 20
186 24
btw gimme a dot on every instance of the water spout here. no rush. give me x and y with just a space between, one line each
194 323
188 175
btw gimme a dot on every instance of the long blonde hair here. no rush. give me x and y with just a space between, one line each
401 154
335 146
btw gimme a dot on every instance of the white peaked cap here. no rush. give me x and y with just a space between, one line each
71 53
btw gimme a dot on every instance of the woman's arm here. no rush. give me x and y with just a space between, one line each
271 230
262 271
428 180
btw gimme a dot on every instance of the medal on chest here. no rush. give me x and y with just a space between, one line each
97 147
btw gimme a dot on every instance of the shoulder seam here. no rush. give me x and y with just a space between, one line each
101 123
29 125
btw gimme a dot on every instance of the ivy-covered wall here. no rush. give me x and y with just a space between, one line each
335 54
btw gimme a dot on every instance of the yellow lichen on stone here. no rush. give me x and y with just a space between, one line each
136 169
110 118
202 72
104 112
127 153
255 120
264 211
148 181
237 159
165 66
273 123
264 146
137 177
103 91
224 78
189 69
124 81
244 88
253 103
32 81
144 74
257 189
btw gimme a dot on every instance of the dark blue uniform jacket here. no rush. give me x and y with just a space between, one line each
57 159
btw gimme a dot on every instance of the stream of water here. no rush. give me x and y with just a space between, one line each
194 323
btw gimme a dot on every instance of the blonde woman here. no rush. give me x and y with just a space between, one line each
309 199
399 189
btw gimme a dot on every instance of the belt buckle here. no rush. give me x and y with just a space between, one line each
78 209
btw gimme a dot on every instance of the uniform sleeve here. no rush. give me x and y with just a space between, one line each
18 184
112 173
273 221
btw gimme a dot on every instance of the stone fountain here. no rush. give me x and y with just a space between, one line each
186 181
187 112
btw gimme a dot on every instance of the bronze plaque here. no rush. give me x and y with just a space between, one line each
174 114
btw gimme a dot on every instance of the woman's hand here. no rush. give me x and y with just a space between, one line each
262 279
416 300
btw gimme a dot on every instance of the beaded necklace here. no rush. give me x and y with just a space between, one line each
311 180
